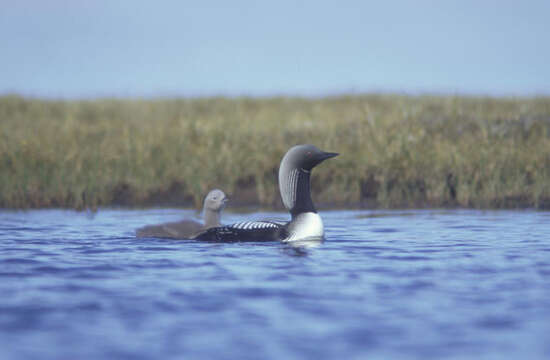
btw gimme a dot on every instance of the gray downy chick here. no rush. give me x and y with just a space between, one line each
187 229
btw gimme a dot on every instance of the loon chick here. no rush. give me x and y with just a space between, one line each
294 174
188 229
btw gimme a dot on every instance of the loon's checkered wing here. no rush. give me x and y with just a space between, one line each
248 225
245 231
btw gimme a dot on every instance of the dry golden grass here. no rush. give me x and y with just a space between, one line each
396 151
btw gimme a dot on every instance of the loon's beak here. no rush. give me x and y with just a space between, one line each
328 155
322 156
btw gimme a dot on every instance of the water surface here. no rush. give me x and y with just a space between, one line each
430 284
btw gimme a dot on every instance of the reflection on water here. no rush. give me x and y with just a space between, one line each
301 247
424 284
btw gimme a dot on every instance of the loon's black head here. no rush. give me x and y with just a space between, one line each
294 176
305 157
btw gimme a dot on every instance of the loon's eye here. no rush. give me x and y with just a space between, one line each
308 153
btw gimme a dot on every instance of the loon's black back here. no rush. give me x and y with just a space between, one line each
246 231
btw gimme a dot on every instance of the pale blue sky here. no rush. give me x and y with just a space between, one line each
73 48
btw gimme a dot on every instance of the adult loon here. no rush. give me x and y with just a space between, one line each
188 229
305 223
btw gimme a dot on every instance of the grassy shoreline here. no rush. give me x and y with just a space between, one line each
397 151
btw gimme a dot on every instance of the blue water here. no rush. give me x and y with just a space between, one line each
430 284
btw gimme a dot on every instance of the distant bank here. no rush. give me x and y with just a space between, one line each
396 151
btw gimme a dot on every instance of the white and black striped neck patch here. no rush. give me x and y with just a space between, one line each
249 225
288 187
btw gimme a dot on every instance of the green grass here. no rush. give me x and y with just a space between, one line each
396 151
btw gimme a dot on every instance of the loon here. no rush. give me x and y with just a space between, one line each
305 223
188 229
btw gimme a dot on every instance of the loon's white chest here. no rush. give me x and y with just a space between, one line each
304 226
